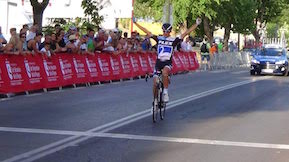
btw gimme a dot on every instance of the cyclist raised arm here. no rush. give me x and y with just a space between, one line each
165 48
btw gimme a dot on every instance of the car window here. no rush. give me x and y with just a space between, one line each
271 52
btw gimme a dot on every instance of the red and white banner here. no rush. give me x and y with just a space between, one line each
93 68
81 69
52 71
67 69
105 67
24 73
126 65
14 74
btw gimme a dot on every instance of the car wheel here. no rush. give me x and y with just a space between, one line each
285 73
252 72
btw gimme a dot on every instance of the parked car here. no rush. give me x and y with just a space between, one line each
270 59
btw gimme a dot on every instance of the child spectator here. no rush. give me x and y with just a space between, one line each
46 49
47 39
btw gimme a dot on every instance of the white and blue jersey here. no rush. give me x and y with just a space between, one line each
165 47
165 50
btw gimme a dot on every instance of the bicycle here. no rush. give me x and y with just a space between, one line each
160 106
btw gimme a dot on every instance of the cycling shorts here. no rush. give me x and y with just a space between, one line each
161 64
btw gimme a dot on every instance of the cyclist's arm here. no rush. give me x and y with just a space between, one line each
192 28
143 29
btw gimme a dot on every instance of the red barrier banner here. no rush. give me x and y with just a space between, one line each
136 67
67 69
14 74
185 60
177 64
193 61
126 66
144 63
93 68
2 85
116 67
35 71
152 57
81 69
52 72
105 67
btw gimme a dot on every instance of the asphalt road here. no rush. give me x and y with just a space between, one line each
217 116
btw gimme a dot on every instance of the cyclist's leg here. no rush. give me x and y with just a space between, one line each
166 73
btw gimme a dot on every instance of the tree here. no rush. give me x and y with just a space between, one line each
38 9
91 11
267 11
237 16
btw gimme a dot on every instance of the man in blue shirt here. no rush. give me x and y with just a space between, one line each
2 40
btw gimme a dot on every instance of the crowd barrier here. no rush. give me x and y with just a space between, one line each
229 60
32 72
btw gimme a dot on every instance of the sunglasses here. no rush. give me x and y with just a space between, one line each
23 36
166 31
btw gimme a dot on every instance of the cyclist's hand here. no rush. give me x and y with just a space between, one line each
133 19
198 21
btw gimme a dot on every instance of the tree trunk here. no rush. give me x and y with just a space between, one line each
227 36
209 31
38 9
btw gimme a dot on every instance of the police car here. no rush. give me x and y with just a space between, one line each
270 59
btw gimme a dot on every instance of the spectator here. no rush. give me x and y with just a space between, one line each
32 32
186 45
12 47
146 44
46 49
46 40
213 49
220 47
70 46
91 41
100 41
60 39
54 46
24 29
71 31
2 40
22 44
33 44
57 28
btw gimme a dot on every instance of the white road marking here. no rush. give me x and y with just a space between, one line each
148 138
62 144
6 99
32 95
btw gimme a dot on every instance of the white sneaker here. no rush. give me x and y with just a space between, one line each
166 97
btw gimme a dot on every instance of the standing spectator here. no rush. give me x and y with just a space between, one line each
32 32
214 49
54 46
24 29
33 44
205 55
220 47
2 40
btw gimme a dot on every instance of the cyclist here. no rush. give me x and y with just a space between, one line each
165 48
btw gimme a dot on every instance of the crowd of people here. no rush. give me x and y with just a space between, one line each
30 40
